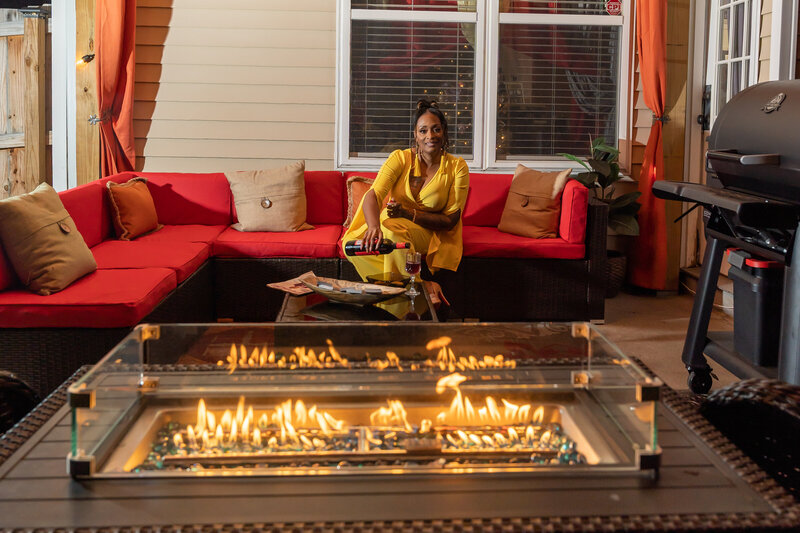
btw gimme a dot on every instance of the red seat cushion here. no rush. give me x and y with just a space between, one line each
318 242
486 199
184 258
102 299
480 241
184 233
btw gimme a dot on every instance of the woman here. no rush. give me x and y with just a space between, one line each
427 188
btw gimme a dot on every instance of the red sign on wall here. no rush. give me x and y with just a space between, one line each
613 7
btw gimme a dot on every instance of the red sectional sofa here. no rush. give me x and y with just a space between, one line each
198 269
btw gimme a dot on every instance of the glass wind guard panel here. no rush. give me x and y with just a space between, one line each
308 399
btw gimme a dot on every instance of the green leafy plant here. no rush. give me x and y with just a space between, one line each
601 176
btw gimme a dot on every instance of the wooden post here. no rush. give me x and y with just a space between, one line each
35 32
87 145
674 131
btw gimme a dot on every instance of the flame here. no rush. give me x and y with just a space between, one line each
440 342
302 357
293 426
451 381
240 411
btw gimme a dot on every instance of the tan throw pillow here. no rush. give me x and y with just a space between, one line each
533 206
42 243
270 200
132 209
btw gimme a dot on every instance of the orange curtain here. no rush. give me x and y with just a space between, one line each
648 260
115 42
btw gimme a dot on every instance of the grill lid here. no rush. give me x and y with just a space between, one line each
754 146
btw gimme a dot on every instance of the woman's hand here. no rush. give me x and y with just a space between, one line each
373 237
396 210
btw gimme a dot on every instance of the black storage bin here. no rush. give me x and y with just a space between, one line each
757 305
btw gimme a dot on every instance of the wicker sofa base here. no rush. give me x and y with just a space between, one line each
235 289
45 357
240 285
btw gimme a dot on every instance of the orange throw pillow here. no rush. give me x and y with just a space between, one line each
533 206
357 187
132 209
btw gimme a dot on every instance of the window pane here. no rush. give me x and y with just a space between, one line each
736 77
556 87
724 33
587 7
746 30
416 5
738 31
394 64
722 86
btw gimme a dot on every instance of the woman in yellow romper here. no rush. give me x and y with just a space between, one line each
427 188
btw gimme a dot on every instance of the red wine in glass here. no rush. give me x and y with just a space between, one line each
413 266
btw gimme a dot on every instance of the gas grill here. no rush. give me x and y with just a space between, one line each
752 202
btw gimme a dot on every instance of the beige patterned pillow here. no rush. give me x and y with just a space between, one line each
42 243
270 200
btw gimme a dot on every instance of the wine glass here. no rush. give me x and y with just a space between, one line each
413 266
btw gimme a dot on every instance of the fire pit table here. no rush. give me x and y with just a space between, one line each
339 427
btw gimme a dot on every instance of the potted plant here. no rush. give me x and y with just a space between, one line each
601 176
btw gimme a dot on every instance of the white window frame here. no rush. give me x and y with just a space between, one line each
492 54
64 94
487 19
345 15
713 51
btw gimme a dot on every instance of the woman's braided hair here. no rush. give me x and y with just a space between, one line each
430 106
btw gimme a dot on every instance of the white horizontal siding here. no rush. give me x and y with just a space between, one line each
234 86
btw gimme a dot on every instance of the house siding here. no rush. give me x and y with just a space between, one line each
242 85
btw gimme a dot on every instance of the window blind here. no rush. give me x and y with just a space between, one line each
396 63
564 7
556 88
417 5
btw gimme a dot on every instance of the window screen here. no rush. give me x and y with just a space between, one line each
556 88
395 63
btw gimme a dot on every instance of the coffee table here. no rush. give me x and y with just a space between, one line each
316 307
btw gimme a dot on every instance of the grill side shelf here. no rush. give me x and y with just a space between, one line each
751 210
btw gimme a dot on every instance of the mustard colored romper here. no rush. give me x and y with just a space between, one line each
445 193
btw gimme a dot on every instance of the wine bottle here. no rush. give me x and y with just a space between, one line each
386 245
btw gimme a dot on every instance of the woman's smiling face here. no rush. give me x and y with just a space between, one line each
429 134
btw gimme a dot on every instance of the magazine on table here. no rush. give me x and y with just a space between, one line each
295 286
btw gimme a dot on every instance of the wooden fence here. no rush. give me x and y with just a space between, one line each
13 176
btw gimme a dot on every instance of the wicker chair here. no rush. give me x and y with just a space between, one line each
17 398
762 417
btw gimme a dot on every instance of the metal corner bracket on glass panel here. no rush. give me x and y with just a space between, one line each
297 399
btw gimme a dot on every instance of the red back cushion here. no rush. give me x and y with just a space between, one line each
326 201
89 208
574 207
7 275
486 199
188 198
